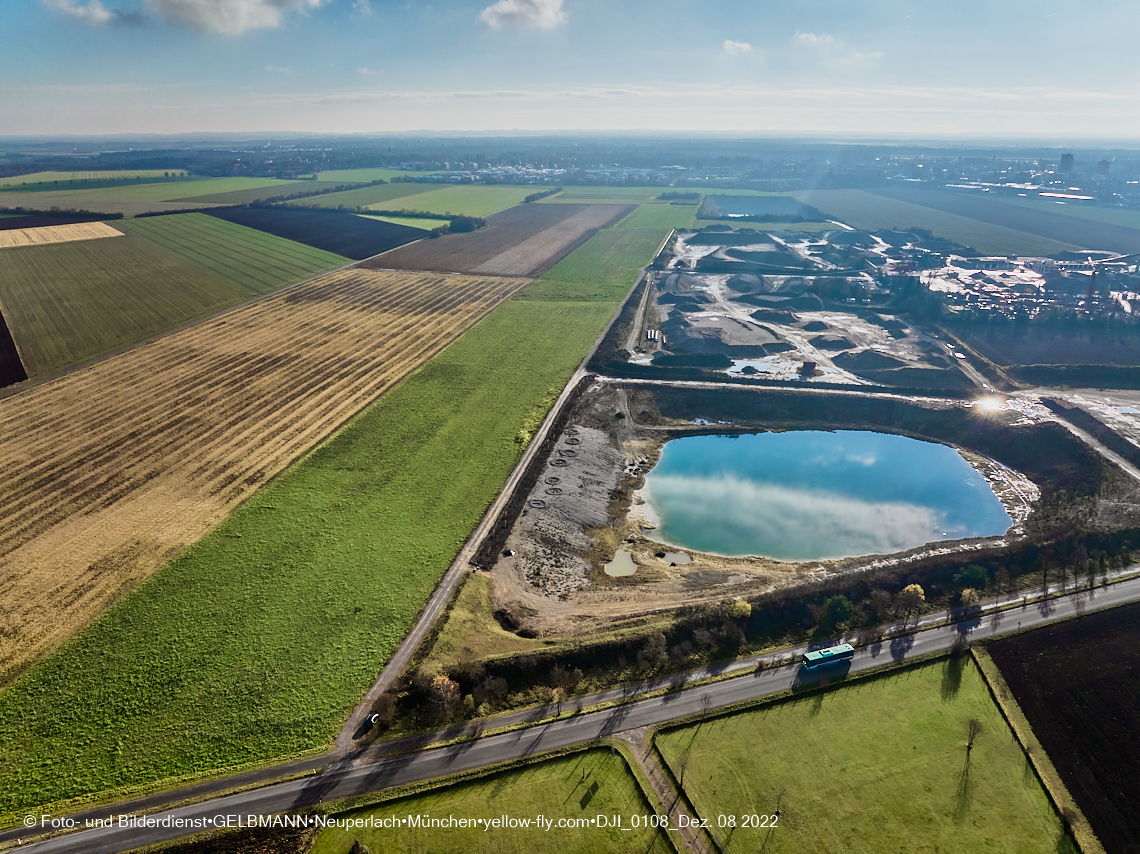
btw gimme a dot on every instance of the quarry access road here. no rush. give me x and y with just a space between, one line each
369 769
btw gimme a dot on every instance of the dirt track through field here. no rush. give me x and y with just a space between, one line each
112 471
43 234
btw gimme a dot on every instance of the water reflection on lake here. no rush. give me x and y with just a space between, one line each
809 494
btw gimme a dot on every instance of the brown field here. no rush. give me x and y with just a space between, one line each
56 234
525 240
113 470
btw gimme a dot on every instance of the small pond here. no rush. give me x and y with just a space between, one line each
806 494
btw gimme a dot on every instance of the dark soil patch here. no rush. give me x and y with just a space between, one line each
11 368
37 220
1078 683
346 234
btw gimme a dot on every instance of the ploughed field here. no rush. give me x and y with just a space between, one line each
1078 683
525 240
355 237
112 471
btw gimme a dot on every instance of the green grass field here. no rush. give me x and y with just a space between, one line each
603 268
880 765
382 196
106 175
254 260
68 302
871 212
660 216
468 201
579 786
414 222
256 194
260 639
135 199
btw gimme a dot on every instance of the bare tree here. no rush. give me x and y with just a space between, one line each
973 730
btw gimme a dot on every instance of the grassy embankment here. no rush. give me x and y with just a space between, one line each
879 765
68 302
412 222
258 641
871 212
579 786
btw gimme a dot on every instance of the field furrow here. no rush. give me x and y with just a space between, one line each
113 470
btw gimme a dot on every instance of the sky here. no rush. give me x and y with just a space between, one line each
971 68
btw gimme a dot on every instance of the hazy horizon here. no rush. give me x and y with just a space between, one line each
1018 71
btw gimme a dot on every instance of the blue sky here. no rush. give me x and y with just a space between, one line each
968 68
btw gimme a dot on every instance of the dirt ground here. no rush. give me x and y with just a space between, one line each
113 470
589 507
771 326
525 240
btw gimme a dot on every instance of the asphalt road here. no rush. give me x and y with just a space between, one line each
369 769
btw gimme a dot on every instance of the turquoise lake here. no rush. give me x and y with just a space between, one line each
808 494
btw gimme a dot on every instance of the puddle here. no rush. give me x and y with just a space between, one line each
622 564
679 558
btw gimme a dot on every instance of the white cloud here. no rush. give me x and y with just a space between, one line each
367 72
229 17
814 39
794 521
736 48
362 6
539 14
277 69
93 13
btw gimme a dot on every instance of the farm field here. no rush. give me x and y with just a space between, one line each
579 786
521 241
410 222
256 194
661 216
880 765
256 261
1042 346
355 237
134 199
46 234
223 675
171 436
1053 224
871 212
603 268
605 195
1077 683
475 200
1124 217
104 175
337 544
382 197
67 303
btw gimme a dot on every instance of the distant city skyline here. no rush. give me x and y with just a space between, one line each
1013 70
